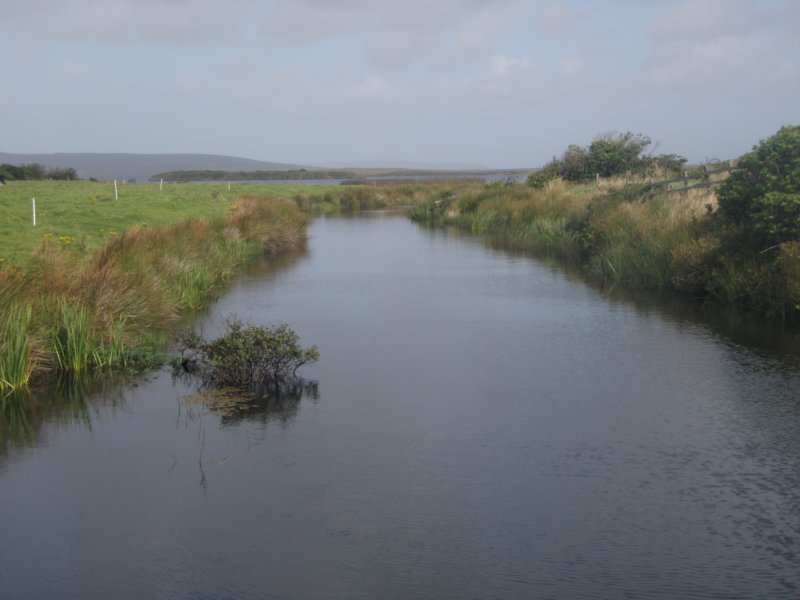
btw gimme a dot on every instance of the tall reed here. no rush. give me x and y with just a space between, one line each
72 341
16 362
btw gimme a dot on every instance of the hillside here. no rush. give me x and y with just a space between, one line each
140 167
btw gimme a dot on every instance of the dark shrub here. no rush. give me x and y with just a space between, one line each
247 356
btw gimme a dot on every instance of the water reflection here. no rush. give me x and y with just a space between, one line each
18 420
69 400
734 327
235 405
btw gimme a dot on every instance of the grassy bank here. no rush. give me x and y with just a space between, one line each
81 216
370 196
629 235
101 283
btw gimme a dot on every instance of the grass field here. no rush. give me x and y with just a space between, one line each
101 282
80 216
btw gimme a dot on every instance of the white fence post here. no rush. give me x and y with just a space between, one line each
33 206
116 196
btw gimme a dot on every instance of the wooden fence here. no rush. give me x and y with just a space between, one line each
702 179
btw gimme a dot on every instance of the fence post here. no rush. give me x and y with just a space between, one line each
686 182
33 206
706 178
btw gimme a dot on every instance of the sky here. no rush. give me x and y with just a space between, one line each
492 83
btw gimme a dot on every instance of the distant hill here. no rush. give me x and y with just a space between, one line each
141 167
292 175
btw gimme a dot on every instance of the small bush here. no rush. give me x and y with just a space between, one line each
538 180
247 356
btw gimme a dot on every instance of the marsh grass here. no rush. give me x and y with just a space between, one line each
72 339
115 306
630 234
16 356
634 240
369 196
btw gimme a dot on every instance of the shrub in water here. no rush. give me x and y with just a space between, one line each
247 356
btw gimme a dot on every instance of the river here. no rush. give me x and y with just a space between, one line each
485 426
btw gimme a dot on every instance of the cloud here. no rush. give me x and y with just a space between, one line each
506 76
72 72
174 21
186 84
503 66
556 18
704 19
704 44
371 89
571 67
398 35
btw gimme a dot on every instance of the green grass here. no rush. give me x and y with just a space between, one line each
16 363
72 339
80 216
106 281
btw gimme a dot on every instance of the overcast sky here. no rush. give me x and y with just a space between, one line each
498 83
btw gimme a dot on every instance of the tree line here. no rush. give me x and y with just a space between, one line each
35 171
608 155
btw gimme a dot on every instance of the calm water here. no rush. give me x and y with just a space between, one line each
484 428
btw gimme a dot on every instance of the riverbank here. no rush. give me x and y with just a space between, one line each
103 278
76 296
630 235
502 415
107 271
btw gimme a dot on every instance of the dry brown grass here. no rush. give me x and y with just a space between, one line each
147 277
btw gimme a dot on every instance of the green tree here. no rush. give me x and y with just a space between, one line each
65 173
575 163
614 153
763 193
608 155
665 163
